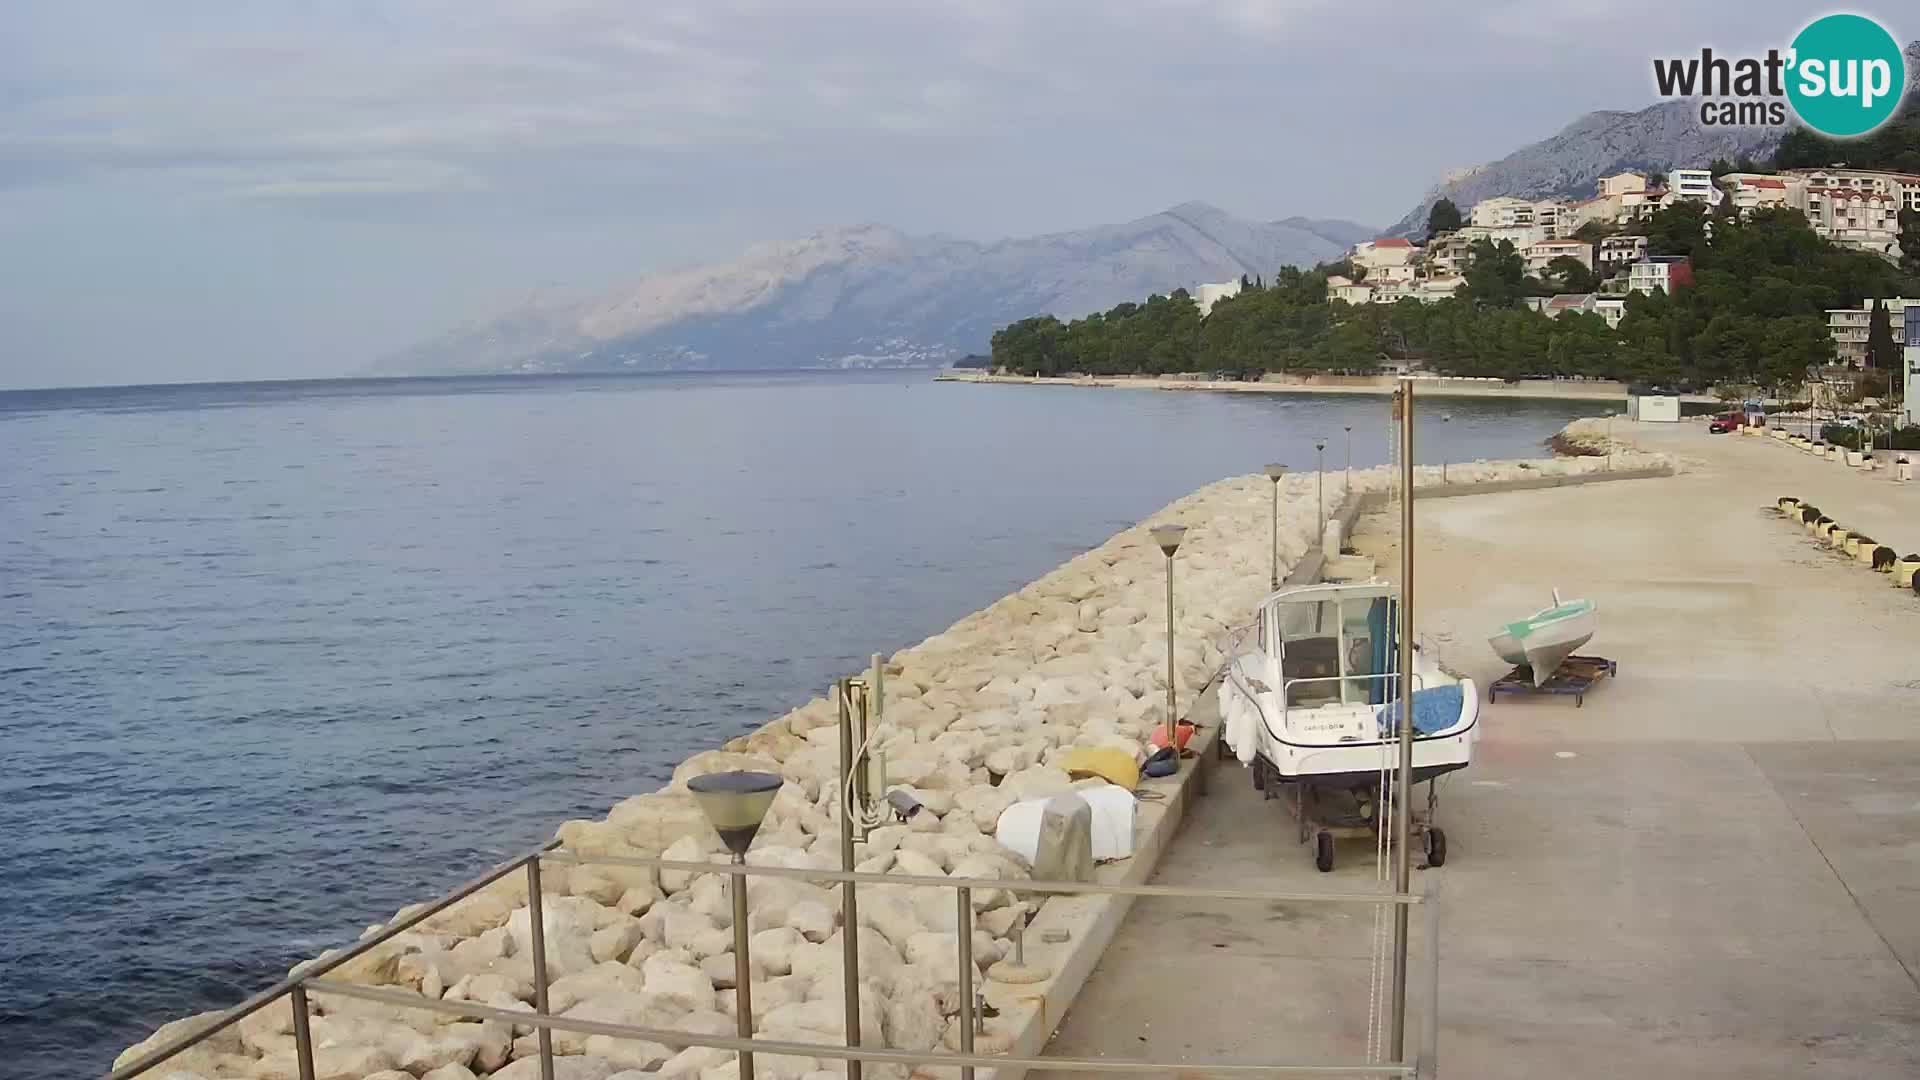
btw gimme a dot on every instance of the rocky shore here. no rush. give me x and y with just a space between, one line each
976 717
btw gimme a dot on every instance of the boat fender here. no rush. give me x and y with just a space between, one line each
1162 763
1883 557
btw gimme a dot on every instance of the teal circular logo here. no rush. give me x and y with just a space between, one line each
1845 75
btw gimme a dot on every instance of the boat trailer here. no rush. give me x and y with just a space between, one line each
1576 675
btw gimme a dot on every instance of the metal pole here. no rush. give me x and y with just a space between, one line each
1429 1065
1403 782
1273 578
1172 720
849 906
1349 430
965 925
742 966
1320 466
537 931
302 1033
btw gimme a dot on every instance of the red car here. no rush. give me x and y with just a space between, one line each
1721 426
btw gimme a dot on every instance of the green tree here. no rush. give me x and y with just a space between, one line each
1572 274
1910 241
1882 353
1680 229
1444 217
1495 274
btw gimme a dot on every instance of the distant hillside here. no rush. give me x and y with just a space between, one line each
869 295
1598 144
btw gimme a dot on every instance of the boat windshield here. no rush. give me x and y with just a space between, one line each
1331 651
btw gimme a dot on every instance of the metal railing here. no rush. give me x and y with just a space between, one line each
310 978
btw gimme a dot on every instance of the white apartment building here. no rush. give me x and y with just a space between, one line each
1913 364
1348 290
1904 187
1610 308
1386 251
1502 212
1754 191
1856 218
1205 296
1693 185
1617 251
1539 254
1659 273
1555 218
1849 328
1570 303
1621 183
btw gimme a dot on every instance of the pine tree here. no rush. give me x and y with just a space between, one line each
1881 350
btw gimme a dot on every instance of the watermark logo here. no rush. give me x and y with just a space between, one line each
1843 75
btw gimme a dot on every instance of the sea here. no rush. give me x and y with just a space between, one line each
277 658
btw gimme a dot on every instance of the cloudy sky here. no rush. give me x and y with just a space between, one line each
199 189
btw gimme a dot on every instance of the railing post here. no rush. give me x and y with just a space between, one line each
1429 1064
964 924
302 1032
537 932
849 905
742 965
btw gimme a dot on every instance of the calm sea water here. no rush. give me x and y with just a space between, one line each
278 658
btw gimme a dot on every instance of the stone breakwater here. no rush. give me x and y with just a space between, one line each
976 717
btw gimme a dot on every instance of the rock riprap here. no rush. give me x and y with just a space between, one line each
976 717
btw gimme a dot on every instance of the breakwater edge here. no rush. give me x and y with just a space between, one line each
1076 658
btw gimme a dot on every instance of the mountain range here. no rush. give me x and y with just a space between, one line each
869 296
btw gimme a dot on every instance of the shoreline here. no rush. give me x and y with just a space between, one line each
1074 659
1373 385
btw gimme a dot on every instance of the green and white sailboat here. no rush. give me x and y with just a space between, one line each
1543 640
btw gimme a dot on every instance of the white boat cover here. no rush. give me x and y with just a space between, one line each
1019 827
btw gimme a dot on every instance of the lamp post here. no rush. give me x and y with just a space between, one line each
1274 473
1349 430
1169 537
1445 418
1320 467
736 803
1610 417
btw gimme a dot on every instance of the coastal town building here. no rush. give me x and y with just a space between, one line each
1371 255
1849 328
1542 253
1347 290
1502 212
1857 218
1621 183
1205 296
1754 191
1692 185
1610 308
1912 349
1660 273
1614 252
1570 303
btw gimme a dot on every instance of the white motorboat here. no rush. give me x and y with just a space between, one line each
1309 705
1308 697
1542 641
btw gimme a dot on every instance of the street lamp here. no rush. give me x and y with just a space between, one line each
1168 537
1349 430
1610 417
736 803
1274 473
1445 418
1320 467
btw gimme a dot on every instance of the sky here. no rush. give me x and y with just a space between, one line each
199 189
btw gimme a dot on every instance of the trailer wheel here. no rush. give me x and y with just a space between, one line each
1436 847
1323 851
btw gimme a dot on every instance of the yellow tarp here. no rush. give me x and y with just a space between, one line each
1116 767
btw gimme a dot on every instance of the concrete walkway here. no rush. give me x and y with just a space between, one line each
1710 870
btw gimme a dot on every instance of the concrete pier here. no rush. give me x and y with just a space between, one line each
1709 870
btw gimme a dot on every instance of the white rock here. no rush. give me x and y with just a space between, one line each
677 981
450 1072
694 932
692 1061
1036 782
772 949
569 943
814 921
685 849
616 942
572 1067
597 981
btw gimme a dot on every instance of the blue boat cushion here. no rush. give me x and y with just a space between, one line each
1434 709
